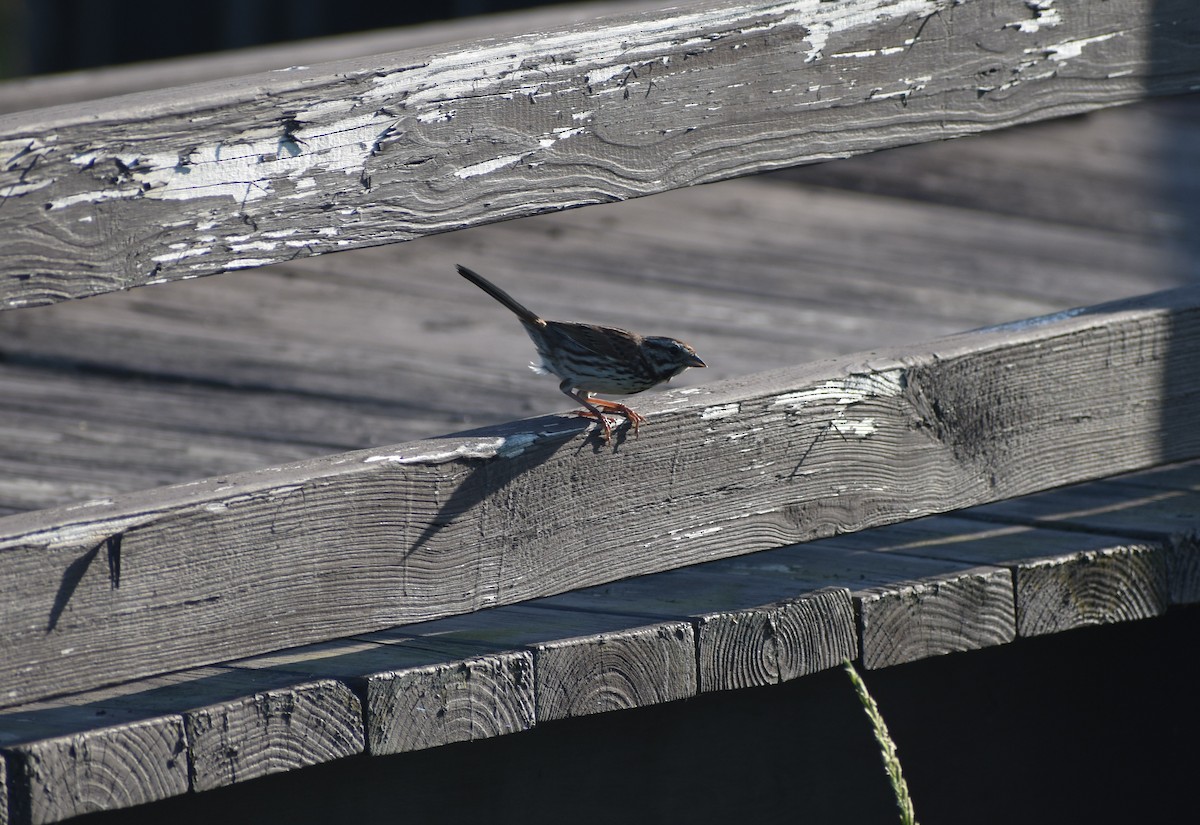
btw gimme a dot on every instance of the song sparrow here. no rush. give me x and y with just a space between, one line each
591 358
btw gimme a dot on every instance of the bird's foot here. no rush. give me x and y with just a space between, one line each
631 416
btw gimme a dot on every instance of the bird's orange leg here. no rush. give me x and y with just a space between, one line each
597 406
632 417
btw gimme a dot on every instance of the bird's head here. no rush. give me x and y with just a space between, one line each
670 356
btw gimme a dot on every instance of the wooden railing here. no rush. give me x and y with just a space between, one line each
227 175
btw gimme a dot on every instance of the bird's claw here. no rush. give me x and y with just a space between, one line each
633 418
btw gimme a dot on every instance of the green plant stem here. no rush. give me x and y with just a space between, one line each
891 761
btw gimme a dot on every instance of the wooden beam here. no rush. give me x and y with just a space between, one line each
247 563
235 174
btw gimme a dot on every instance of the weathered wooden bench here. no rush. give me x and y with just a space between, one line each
266 614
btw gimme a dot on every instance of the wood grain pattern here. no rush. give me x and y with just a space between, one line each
1165 511
460 701
418 691
907 607
239 724
1063 579
919 587
775 643
584 661
107 769
615 671
273 731
225 176
1090 588
248 563
947 614
133 390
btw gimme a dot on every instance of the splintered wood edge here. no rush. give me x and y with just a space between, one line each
419 531
236 174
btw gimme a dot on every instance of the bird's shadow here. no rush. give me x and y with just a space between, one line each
75 572
488 476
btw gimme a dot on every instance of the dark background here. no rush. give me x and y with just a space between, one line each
41 36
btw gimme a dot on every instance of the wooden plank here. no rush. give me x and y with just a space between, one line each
55 778
236 725
434 528
1167 511
614 671
926 618
775 643
462 701
273 731
419 693
907 608
583 663
1063 579
751 630
226 176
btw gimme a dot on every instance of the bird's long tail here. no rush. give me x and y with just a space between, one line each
500 295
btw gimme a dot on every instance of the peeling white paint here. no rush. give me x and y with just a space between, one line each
1045 15
341 135
490 165
721 411
437 116
265 246
95 197
1070 49
489 448
679 535
597 76
911 86
841 393
822 20
855 429
15 189
514 445
190 252
87 534
249 263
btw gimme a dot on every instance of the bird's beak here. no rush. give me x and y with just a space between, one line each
694 361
